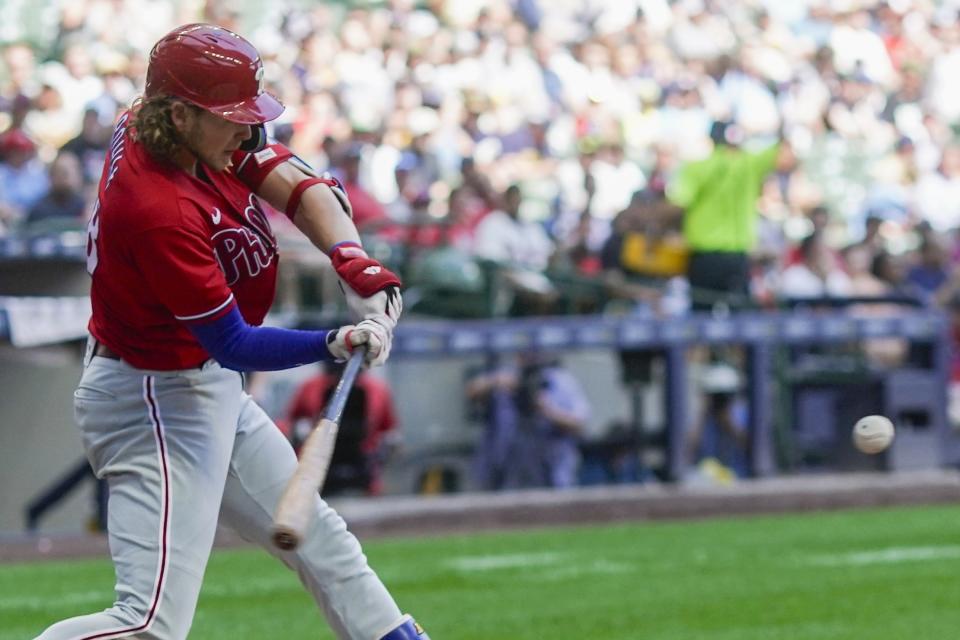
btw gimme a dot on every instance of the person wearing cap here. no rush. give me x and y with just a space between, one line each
184 268
23 178
536 412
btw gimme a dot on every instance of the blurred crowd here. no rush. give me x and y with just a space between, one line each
545 136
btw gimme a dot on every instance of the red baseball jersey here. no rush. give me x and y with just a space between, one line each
166 249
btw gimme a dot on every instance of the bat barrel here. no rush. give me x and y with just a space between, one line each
298 501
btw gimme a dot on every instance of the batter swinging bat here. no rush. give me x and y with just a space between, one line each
296 504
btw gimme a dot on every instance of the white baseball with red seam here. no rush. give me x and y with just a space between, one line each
873 434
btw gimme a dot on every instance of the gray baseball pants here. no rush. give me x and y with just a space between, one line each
178 448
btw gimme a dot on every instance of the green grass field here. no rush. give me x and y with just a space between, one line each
887 574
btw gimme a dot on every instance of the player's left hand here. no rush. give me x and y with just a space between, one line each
375 336
372 290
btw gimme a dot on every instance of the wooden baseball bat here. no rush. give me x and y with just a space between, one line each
296 506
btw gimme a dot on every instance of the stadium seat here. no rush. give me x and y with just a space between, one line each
449 283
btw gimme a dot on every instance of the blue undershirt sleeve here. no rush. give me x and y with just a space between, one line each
239 346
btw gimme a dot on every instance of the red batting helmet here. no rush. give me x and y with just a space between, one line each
212 68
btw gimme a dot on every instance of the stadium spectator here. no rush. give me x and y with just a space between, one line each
872 239
502 236
455 229
65 199
368 213
662 168
816 275
863 284
521 250
89 146
368 432
889 268
819 218
23 177
411 194
937 196
644 249
616 180
931 269
535 413
491 394
19 83
720 431
882 352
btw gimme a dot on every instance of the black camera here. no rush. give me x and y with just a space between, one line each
532 381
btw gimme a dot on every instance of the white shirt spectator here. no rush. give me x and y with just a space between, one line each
855 44
799 281
617 180
699 35
943 90
751 103
937 193
504 239
937 200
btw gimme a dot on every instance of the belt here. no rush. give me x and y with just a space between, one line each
104 351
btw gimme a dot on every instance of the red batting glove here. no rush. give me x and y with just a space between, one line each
370 288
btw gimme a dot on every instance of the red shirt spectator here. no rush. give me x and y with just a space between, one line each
368 212
375 416
465 212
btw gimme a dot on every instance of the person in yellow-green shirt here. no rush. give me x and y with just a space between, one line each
719 197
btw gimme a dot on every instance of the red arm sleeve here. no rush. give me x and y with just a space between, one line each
253 168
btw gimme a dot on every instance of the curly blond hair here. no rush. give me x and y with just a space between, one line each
152 125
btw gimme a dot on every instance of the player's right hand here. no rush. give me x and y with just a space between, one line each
377 338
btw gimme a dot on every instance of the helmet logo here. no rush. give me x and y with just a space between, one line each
258 76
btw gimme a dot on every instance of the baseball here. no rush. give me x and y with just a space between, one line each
873 434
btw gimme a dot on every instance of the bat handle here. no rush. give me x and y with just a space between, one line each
338 400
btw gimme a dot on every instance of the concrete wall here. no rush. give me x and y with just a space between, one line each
39 442
38 439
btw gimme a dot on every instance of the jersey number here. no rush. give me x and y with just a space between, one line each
93 232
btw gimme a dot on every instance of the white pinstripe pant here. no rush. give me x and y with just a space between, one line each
177 448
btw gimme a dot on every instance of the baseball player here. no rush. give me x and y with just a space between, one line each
184 268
